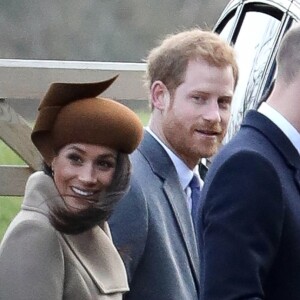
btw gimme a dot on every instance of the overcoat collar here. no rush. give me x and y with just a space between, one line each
278 139
163 167
93 248
100 259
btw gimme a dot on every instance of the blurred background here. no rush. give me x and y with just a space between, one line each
96 30
88 30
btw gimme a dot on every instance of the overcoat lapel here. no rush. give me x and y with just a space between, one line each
96 253
92 249
278 139
163 167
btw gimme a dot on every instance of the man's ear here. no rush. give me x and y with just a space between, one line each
159 95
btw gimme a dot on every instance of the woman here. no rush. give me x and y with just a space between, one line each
59 245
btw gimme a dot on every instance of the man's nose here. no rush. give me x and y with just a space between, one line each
211 112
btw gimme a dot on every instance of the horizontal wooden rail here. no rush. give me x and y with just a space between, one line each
29 79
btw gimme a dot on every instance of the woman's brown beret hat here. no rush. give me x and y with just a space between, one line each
71 113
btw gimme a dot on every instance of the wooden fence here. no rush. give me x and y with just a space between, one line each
22 80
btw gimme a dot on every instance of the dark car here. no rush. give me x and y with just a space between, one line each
255 28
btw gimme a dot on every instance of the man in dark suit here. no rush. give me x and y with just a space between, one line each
250 221
191 77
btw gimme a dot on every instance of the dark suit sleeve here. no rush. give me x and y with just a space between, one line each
31 263
129 227
242 217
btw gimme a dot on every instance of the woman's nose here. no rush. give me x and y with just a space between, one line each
87 174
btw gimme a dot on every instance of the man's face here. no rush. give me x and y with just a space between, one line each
195 119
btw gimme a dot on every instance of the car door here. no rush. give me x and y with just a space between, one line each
255 28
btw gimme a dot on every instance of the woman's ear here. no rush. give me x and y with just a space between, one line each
159 95
52 166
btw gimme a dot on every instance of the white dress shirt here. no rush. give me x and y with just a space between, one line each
286 127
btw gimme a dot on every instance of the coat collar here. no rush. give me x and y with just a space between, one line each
101 260
93 249
157 157
278 139
163 167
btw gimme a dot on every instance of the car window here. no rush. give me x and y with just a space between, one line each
225 29
225 33
253 51
253 45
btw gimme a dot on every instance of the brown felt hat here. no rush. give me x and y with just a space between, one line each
71 113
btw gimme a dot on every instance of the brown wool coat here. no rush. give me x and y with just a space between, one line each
38 262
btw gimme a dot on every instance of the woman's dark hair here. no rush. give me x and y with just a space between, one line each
71 221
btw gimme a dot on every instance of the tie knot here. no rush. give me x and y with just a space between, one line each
195 182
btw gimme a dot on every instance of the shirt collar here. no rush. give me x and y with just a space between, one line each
287 128
185 174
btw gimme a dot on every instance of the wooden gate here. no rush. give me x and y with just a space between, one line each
29 79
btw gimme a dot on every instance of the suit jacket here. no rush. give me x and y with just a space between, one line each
39 263
250 241
153 228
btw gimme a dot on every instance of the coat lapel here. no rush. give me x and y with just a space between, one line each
95 252
278 139
93 249
184 221
163 167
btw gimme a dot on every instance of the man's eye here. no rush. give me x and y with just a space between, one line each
224 103
200 98
197 98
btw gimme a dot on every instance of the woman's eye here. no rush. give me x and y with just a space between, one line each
103 164
74 158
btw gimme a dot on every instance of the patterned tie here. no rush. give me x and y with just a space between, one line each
195 196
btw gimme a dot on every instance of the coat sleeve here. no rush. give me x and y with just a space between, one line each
129 227
242 219
31 263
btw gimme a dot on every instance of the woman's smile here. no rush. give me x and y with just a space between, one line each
83 192
82 172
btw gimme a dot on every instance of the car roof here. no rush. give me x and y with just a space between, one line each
290 6
282 4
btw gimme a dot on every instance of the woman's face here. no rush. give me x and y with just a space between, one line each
82 171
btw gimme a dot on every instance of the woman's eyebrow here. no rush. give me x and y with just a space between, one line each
76 148
107 155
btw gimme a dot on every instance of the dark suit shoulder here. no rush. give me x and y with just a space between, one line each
245 180
246 165
243 212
